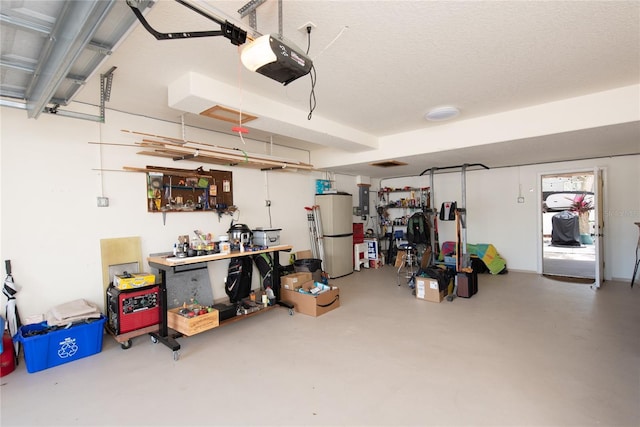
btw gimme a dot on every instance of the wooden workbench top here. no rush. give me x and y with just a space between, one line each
171 261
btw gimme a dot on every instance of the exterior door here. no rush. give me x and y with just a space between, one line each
599 225
572 225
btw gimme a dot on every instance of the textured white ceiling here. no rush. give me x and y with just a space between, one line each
381 65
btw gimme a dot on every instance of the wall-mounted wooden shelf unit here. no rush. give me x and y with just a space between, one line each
185 190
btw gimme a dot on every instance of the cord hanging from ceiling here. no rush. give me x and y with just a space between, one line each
240 129
312 75
346 27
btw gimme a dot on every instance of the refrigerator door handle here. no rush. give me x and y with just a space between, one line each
338 235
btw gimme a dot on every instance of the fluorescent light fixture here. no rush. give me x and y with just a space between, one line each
275 58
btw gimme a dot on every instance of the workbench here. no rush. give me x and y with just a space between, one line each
170 263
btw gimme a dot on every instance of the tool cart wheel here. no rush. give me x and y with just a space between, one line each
291 312
176 355
126 344
154 339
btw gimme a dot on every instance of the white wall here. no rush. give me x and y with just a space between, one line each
494 216
51 226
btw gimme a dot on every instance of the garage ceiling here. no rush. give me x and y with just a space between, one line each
381 65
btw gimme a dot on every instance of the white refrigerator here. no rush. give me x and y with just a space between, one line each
336 217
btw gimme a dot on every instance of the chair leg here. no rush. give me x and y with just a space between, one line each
402 262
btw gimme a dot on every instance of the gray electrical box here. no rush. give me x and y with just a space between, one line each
364 199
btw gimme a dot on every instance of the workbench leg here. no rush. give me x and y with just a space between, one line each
162 335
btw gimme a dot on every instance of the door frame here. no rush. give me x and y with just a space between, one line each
599 235
600 208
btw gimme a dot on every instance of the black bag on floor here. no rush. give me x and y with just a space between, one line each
239 275
478 266
442 275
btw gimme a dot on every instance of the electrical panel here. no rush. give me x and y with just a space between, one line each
364 199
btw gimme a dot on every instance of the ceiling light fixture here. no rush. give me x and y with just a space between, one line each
439 114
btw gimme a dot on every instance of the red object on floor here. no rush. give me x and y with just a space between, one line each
7 357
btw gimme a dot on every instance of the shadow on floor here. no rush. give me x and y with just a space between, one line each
584 280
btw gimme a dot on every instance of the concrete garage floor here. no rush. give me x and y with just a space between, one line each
570 261
526 350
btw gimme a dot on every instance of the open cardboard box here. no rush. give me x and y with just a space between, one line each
294 280
312 305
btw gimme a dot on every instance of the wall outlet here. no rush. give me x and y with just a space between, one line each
520 199
103 202
303 28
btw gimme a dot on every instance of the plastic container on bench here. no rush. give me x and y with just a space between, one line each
266 236
45 349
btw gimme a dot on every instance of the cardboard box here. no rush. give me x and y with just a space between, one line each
304 255
312 305
194 325
137 280
428 290
294 280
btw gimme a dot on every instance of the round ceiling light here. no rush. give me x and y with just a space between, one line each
441 113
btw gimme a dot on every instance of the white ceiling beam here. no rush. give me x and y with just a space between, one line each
195 93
